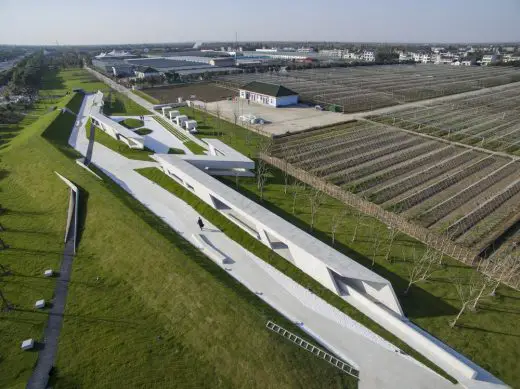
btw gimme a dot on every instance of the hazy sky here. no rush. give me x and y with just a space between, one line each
147 21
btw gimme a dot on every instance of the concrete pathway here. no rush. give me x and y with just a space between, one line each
47 355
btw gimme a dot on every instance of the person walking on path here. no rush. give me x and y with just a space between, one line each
200 223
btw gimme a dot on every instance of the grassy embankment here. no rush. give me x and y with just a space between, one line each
159 315
116 104
489 336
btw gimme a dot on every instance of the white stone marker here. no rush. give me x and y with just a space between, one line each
40 304
27 344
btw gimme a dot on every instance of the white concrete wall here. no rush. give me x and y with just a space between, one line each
409 334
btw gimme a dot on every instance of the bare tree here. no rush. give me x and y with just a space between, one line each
285 168
218 112
466 293
376 246
316 199
337 220
296 187
359 217
392 234
504 269
422 268
262 167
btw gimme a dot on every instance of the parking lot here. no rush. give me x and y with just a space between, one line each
277 120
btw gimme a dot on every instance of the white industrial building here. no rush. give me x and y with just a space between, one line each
268 94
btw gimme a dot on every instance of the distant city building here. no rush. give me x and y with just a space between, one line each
268 94
352 56
115 54
264 50
368 56
511 58
489 59
335 53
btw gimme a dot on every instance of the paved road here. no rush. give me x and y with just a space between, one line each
127 92
47 355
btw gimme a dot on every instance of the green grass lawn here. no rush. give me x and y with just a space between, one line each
120 147
209 126
132 123
116 104
195 148
160 315
490 336
146 96
143 131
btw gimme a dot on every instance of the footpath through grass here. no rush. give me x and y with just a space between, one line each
145 309
490 336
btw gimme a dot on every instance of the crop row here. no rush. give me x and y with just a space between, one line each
441 185
414 180
469 220
442 209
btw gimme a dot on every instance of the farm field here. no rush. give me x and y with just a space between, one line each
136 316
490 120
465 194
366 88
202 91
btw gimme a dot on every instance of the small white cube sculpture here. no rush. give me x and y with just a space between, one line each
40 304
48 273
27 344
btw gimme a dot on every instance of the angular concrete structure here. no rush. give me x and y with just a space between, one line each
337 272
113 128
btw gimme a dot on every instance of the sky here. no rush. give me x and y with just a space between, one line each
43 22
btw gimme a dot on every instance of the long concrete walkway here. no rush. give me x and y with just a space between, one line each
47 355
381 365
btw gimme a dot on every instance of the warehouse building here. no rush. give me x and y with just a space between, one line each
268 94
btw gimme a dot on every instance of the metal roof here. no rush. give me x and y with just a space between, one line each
268 89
